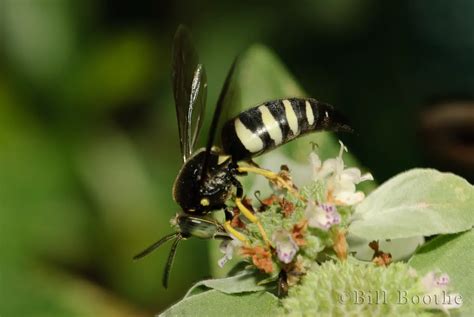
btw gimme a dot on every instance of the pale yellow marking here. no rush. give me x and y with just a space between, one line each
271 125
205 202
309 113
222 158
291 117
250 140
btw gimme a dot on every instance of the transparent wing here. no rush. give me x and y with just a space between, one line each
189 88
225 95
197 104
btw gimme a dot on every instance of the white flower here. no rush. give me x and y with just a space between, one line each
321 170
227 247
436 287
340 182
286 247
322 216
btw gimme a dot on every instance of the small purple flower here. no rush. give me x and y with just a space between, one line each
436 286
443 280
286 247
322 216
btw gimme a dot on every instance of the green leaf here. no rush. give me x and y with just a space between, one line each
400 249
452 254
418 202
215 303
245 281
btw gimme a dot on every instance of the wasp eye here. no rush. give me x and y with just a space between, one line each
205 202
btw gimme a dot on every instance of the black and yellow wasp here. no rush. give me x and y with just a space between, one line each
207 178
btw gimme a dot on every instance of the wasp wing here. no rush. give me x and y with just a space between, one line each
189 88
225 95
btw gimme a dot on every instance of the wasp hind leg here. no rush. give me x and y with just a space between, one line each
271 176
252 163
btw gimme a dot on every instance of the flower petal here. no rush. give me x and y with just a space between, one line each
227 247
286 247
348 198
351 174
321 216
366 177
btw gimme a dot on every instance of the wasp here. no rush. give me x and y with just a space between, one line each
208 177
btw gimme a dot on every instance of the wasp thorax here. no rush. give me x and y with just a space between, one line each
198 193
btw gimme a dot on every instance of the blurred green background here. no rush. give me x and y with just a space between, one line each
88 138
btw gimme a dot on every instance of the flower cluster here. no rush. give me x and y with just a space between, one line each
300 234
299 225
354 289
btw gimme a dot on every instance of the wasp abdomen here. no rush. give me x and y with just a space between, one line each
266 126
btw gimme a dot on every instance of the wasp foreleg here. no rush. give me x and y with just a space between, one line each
247 214
228 227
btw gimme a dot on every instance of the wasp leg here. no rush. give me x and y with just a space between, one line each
250 216
228 227
252 163
229 215
247 213
282 289
272 176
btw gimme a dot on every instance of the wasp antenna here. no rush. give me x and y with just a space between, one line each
156 245
169 263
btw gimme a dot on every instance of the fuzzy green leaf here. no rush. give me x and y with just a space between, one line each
417 202
215 303
245 281
400 249
452 254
